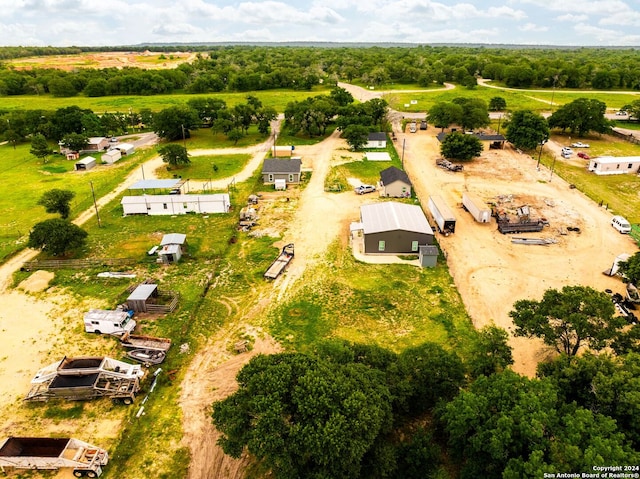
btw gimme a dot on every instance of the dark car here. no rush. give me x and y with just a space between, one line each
583 155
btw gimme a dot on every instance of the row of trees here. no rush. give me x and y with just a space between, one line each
250 68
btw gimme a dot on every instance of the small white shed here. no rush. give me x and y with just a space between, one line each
111 156
85 163
125 148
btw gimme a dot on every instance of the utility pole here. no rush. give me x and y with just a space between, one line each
184 139
540 154
93 193
403 143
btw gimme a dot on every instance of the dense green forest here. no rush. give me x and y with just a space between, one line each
250 68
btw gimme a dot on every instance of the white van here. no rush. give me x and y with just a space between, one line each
621 224
566 152
101 321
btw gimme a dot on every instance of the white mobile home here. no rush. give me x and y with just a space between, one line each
612 165
175 204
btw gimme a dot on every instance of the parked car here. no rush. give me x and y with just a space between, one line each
621 113
363 189
583 155
621 224
579 144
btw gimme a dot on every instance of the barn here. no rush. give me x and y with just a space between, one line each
85 163
395 228
155 205
141 296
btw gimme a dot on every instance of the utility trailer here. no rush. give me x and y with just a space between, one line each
442 215
523 224
84 378
137 341
478 208
53 453
280 263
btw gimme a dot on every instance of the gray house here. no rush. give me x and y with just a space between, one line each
395 183
392 227
281 169
376 139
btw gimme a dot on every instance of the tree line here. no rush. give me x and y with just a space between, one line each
236 68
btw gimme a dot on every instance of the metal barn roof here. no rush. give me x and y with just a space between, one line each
392 216
143 292
150 184
173 238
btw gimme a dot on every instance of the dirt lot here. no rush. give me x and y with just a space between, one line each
490 272
145 60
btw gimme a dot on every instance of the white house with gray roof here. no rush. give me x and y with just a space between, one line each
287 169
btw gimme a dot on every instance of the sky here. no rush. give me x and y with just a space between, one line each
131 22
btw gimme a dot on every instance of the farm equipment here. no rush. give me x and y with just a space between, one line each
523 224
442 215
86 377
447 165
247 218
53 453
280 263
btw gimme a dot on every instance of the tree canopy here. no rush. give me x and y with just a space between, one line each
175 123
631 268
444 114
581 116
568 319
57 201
57 236
40 147
174 154
526 129
460 146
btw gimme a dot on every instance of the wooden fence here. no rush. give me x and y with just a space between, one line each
169 300
76 263
626 136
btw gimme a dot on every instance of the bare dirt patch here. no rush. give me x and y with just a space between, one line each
38 281
145 60
490 272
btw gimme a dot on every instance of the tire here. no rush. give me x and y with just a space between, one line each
92 474
127 401
98 332
78 473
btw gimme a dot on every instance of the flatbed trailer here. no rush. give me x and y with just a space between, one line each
280 263
53 453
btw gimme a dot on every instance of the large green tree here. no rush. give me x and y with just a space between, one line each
57 236
304 417
474 113
444 114
490 352
40 147
174 154
526 129
631 268
175 123
356 136
57 201
568 319
497 103
581 116
461 147
75 141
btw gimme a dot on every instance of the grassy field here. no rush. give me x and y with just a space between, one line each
207 167
277 99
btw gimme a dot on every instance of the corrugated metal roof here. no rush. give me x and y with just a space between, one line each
142 292
149 199
150 184
392 216
173 238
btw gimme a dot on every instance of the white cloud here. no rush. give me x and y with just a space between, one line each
571 18
532 27
622 18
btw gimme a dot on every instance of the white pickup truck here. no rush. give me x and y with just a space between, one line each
105 321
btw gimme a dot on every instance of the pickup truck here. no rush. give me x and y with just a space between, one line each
363 189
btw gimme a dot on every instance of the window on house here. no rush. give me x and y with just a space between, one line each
185 205
630 165
618 166
381 245
414 246
270 177
290 178
164 205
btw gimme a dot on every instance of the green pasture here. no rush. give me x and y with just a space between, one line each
535 100
25 178
278 99
207 167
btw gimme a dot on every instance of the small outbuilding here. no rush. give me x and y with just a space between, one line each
172 247
141 297
125 148
428 256
611 165
281 169
85 163
282 151
111 156
395 183
489 141
377 139
97 143
393 227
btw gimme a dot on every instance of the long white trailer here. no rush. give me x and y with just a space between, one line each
53 453
478 208
442 215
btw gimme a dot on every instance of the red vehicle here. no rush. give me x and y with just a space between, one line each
583 155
